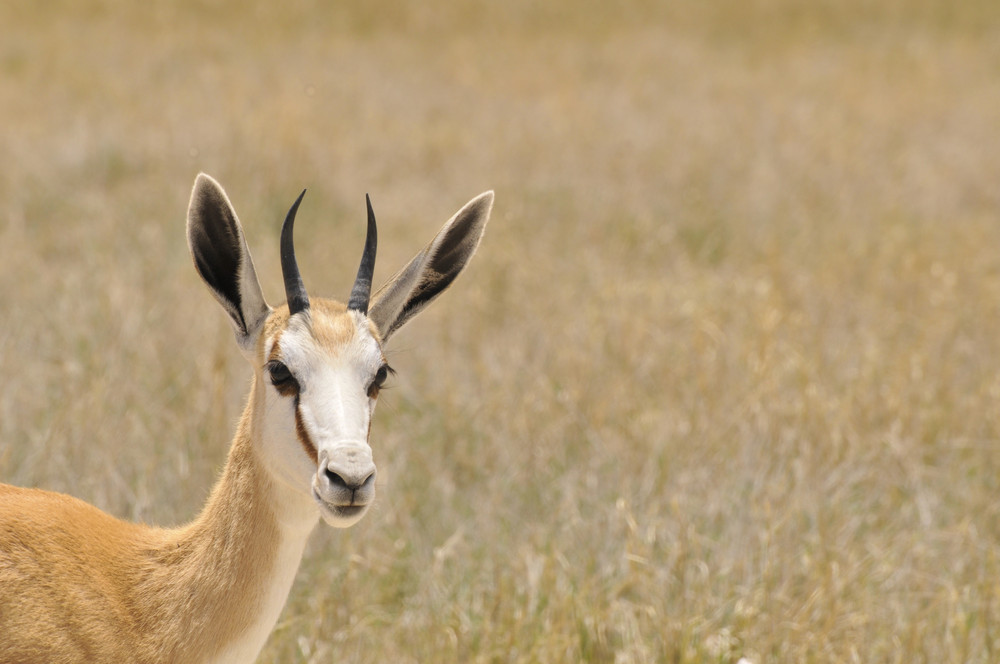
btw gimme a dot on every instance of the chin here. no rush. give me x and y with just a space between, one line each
341 516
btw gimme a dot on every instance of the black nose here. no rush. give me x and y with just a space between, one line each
337 481
346 475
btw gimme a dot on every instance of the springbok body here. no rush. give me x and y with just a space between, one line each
77 585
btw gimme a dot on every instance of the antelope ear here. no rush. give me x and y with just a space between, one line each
223 260
433 269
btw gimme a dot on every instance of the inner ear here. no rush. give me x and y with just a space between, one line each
215 240
223 260
432 270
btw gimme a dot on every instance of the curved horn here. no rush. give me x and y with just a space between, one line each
363 283
295 290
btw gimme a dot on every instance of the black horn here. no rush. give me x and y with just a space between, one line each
295 290
363 283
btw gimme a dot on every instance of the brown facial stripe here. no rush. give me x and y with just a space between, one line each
303 435
287 388
275 350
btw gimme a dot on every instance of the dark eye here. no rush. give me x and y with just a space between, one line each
282 378
379 380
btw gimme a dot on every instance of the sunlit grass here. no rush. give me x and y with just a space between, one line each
722 382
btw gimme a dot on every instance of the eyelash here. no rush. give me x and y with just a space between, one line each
282 378
378 381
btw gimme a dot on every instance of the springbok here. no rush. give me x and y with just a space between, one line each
77 585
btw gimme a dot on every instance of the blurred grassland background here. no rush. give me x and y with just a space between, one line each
722 382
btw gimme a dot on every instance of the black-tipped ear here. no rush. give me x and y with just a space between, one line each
223 260
433 269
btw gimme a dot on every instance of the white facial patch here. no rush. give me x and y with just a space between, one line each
329 415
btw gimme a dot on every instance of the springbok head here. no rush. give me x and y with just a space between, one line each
319 364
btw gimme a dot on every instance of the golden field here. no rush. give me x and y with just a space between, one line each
723 381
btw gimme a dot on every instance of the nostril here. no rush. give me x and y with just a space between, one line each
336 480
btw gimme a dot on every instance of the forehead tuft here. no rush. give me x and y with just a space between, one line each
330 323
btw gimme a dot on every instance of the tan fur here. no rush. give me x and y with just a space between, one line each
77 585
334 327
330 323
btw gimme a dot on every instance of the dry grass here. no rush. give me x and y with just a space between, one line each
723 381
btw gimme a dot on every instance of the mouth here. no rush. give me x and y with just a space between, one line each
340 516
